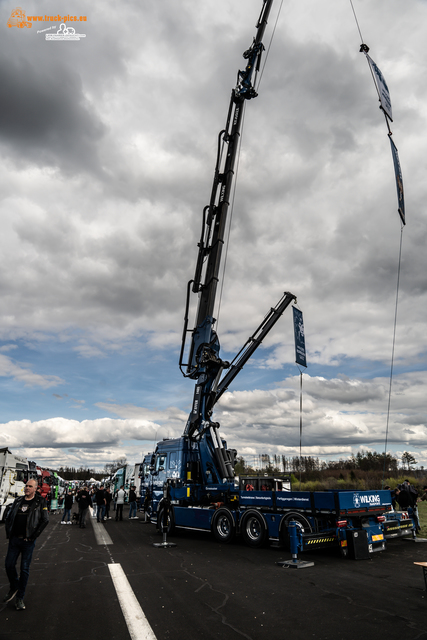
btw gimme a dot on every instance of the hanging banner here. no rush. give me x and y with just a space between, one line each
399 181
299 338
382 88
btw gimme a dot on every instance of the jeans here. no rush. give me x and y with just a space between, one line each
67 515
413 512
132 510
82 516
19 546
101 512
119 512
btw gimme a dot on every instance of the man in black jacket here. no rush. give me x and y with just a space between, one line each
84 501
101 503
25 521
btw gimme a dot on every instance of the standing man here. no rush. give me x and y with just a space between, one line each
119 503
84 500
101 503
25 521
108 498
132 504
68 504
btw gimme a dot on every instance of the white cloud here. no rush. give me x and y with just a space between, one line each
22 373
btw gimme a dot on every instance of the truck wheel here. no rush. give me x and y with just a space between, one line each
223 526
301 521
171 521
253 529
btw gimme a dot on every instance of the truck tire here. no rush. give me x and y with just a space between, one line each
171 521
300 519
223 526
254 529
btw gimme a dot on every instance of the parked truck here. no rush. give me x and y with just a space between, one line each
192 484
13 476
123 477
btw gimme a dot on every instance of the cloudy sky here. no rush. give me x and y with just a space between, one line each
108 147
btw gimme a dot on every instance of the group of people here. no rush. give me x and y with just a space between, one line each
100 499
29 515
406 496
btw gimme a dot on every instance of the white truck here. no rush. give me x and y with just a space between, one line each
13 476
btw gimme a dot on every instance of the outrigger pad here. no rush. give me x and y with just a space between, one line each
295 564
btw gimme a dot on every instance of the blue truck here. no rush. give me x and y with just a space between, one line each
259 510
192 484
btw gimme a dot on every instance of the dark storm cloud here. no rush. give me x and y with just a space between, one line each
45 118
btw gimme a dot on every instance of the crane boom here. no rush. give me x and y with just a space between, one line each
204 364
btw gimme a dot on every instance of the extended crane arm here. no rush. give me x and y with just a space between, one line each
215 213
204 364
250 347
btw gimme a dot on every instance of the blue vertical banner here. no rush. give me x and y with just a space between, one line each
299 338
399 181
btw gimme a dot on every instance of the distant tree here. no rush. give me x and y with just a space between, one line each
240 466
408 460
111 467
373 461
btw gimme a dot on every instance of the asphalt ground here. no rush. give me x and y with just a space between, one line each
204 590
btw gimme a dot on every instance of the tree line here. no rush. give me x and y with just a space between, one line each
85 473
309 465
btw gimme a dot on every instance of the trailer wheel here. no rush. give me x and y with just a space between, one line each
223 526
171 521
301 521
254 529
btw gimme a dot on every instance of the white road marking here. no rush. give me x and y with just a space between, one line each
101 535
136 621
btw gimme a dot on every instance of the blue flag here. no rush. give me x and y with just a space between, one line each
299 338
399 181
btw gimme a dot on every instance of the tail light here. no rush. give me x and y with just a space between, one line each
341 523
380 518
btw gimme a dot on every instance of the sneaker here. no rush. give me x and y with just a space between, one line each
19 604
63 522
8 597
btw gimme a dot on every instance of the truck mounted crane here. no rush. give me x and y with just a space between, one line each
192 484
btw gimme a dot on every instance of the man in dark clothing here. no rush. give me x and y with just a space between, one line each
68 504
132 504
84 500
101 504
403 499
25 521
108 498
406 501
